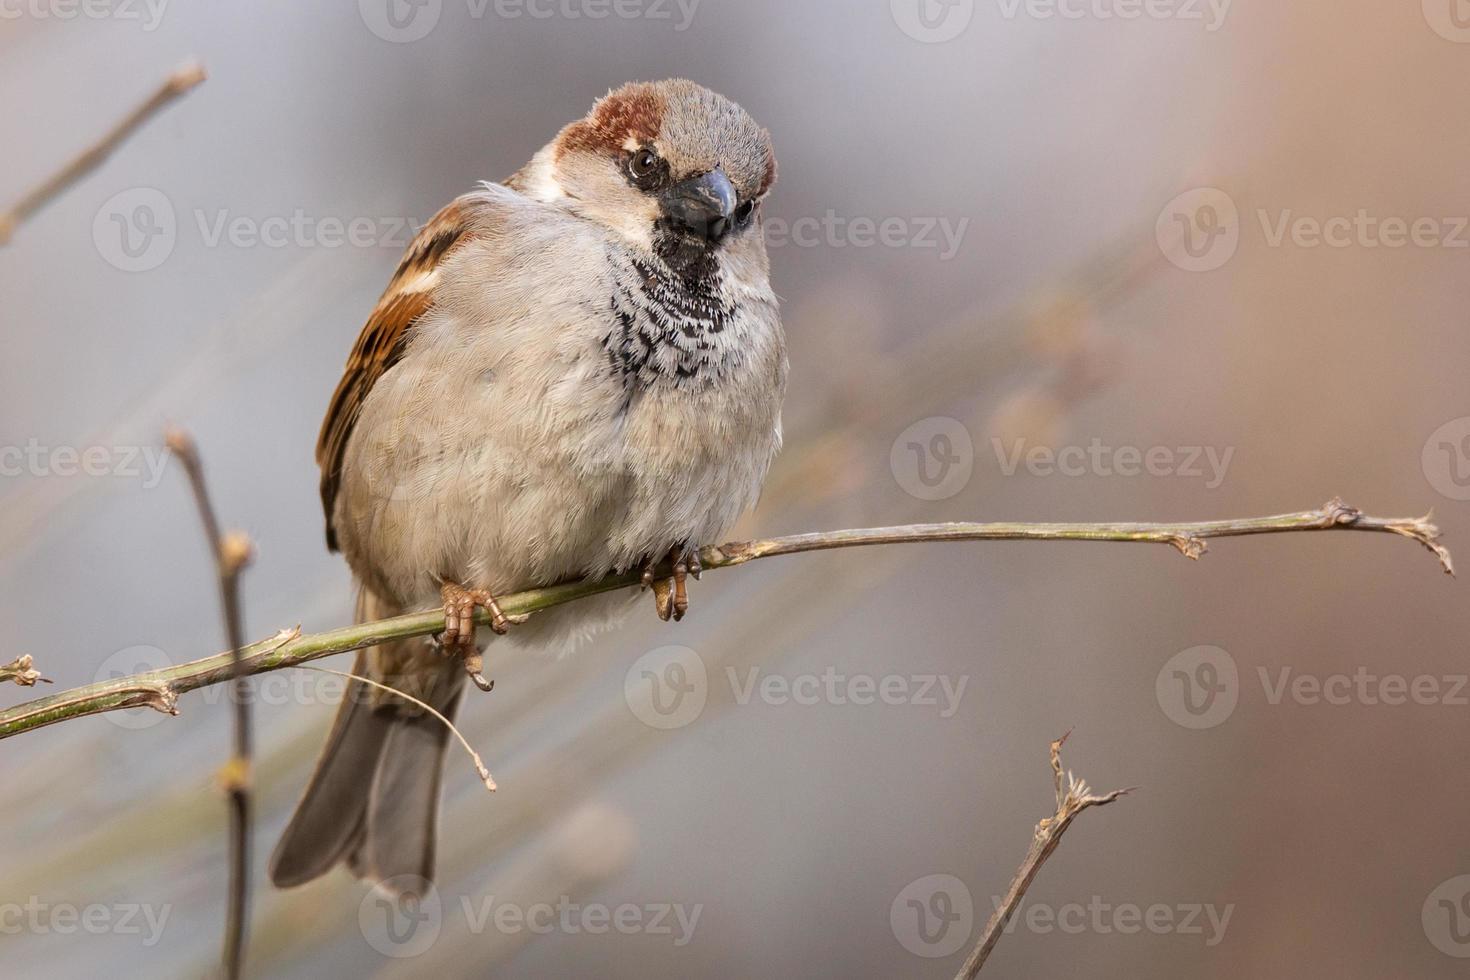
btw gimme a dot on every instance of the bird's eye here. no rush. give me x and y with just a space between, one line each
643 166
744 213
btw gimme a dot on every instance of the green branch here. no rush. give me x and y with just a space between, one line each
160 689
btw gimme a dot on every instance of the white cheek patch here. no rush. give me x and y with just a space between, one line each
637 227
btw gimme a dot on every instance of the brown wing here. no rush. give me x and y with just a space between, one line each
385 336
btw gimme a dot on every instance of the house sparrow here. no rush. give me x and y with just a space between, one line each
575 373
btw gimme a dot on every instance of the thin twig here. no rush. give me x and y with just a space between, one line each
1073 797
184 78
161 688
232 552
485 776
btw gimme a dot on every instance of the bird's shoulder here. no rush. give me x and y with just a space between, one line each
486 219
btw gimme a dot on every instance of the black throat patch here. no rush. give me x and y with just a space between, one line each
669 327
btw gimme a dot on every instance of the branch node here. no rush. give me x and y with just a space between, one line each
22 672
234 776
161 698
236 552
1336 512
1190 546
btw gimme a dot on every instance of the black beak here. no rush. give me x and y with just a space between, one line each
702 206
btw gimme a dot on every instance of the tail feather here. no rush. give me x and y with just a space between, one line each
373 800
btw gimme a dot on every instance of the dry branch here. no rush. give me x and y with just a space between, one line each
22 671
181 81
161 689
231 552
1073 797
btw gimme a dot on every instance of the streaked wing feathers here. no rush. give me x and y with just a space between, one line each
385 336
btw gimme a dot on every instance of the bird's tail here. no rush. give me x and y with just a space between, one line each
373 800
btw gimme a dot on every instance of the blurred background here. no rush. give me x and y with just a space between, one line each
1073 260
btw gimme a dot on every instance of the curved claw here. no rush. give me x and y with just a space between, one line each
459 627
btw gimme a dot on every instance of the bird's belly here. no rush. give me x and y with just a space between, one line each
466 500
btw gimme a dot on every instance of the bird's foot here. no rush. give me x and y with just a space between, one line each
458 637
670 595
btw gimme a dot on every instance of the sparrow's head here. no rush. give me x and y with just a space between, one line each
670 166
